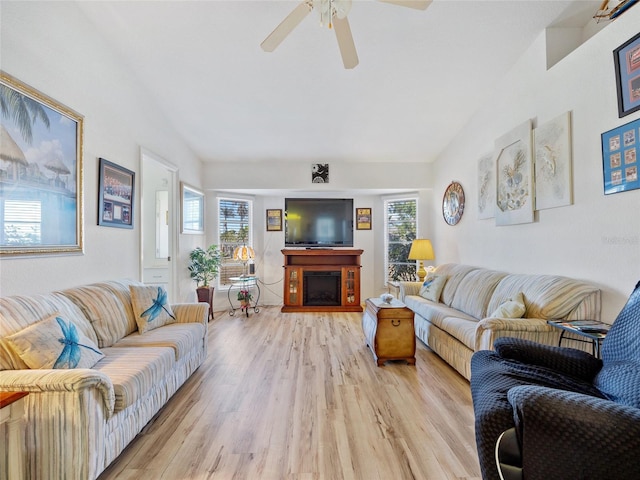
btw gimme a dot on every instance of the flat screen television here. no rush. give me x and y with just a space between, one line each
318 222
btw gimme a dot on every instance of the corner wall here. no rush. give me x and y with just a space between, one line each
269 183
598 237
53 47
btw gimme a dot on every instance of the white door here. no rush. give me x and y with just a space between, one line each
158 194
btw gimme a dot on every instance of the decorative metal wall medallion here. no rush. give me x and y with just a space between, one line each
453 203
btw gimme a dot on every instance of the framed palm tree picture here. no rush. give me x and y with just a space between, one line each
40 173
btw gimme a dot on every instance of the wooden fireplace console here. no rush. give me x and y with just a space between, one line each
297 262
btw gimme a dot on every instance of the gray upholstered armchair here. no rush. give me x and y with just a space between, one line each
546 412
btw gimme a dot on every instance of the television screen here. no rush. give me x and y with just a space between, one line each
318 222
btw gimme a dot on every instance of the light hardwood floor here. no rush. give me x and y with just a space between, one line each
298 396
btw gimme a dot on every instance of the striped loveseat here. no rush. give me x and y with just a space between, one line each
462 321
79 420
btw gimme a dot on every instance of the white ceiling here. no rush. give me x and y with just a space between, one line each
421 75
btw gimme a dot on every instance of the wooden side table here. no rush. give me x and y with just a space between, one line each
12 414
389 332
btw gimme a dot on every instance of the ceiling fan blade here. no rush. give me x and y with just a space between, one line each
417 4
345 42
290 22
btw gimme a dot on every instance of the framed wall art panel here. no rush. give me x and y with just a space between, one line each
115 195
514 176
626 59
363 219
274 220
40 173
487 186
620 150
553 165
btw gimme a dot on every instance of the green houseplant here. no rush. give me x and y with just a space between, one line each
204 266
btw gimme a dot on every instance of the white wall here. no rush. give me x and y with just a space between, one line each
598 237
52 47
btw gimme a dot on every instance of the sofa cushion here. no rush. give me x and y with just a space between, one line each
183 338
454 273
150 307
20 311
105 310
54 343
432 287
475 290
134 371
461 328
434 312
550 296
512 307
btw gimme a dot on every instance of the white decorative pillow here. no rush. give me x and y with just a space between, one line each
54 343
150 307
511 308
432 287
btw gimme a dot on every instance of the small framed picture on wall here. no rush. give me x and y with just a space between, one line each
274 220
363 218
115 195
626 59
320 173
620 148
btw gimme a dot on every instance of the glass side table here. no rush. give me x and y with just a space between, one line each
250 284
593 331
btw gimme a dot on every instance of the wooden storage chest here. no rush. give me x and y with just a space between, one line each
388 331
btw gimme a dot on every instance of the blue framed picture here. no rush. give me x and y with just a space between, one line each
620 150
626 59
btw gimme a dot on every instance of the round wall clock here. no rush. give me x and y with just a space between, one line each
453 203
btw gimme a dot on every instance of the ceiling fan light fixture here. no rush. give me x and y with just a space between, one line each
327 9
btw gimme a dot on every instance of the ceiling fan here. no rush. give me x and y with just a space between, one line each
333 14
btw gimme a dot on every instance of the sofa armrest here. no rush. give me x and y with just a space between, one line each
490 329
409 288
590 434
568 361
191 312
67 420
60 381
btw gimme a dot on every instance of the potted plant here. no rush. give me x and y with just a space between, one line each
204 266
244 296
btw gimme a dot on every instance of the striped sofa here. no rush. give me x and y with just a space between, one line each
460 323
79 420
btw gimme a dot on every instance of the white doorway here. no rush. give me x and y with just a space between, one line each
158 232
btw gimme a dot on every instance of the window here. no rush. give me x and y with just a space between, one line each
234 230
401 225
192 210
22 222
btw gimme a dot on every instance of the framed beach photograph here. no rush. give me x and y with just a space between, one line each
40 173
192 210
274 219
620 148
363 218
115 195
626 59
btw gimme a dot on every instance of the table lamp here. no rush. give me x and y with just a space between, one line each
421 249
243 253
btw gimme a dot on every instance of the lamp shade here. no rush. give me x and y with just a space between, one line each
421 249
243 253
